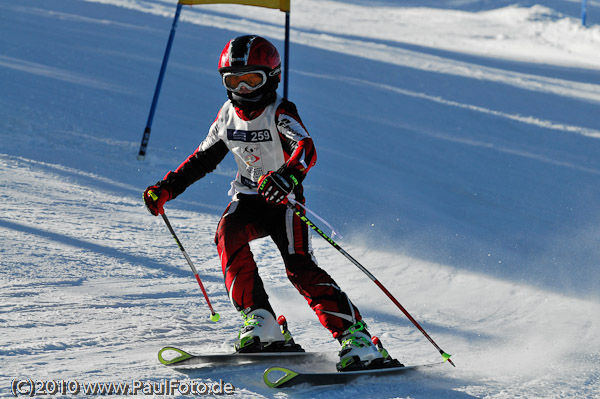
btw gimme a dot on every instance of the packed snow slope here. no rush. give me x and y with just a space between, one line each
457 146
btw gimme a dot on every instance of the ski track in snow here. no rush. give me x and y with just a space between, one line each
93 286
54 73
515 117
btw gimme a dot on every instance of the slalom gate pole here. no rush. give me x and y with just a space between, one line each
161 75
286 65
299 212
213 315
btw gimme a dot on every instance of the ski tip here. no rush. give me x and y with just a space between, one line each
181 355
214 317
287 376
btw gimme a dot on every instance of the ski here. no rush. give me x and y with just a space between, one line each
291 377
182 358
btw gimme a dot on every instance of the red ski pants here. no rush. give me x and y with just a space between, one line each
250 217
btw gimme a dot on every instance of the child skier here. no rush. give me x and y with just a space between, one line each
273 152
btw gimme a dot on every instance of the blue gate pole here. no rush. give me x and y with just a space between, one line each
583 11
286 66
161 75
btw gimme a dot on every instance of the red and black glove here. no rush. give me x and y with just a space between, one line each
156 196
276 186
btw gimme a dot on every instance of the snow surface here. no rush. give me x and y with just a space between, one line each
458 148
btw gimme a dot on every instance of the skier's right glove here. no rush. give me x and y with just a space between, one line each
276 186
156 196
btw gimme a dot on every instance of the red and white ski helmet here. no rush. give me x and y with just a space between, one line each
250 52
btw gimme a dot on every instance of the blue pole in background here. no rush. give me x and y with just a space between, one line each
286 66
583 11
161 75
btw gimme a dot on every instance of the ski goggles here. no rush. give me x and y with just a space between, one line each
252 80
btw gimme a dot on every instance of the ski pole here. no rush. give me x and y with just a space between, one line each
298 212
213 315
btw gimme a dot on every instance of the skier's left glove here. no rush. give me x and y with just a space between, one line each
276 186
156 196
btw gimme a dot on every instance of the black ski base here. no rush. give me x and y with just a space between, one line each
288 377
175 357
